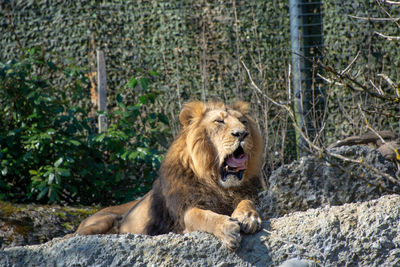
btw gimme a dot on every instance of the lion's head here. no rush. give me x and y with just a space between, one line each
221 144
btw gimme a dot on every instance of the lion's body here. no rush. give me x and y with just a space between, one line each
208 180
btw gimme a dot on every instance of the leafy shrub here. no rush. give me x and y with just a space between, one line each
50 150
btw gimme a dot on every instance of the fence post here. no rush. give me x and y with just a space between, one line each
102 91
306 44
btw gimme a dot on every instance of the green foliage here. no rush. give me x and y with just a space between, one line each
50 150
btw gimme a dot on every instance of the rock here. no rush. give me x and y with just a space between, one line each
298 263
356 234
314 181
34 224
390 150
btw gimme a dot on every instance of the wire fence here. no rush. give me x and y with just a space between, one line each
199 48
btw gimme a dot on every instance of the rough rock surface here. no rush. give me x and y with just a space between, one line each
313 182
356 234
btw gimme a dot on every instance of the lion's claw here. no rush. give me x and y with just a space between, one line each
250 222
229 232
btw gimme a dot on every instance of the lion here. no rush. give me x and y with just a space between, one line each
207 182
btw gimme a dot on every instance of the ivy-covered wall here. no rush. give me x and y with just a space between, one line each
352 27
194 44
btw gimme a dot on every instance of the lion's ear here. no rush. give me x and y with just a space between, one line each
191 111
241 106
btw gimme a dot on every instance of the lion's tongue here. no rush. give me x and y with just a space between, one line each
238 163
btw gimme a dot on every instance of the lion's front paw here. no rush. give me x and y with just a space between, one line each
250 221
228 231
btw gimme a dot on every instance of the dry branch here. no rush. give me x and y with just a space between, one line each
391 2
390 38
354 85
373 19
322 152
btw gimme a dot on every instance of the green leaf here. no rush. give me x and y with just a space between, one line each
51 131
151 97
119 98
42 193
144 83
143 99
132 83
163 118
75 142
58 162
124 156
153 73
99 138
143 150
51 65
51 178
151 118
63 172
133 155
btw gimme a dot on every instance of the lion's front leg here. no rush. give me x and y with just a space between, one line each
248 217
224 227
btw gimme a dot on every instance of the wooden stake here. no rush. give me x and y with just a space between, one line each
102 90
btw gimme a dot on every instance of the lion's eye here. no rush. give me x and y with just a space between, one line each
244 122
219 121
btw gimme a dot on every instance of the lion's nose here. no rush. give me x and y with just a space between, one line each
240 134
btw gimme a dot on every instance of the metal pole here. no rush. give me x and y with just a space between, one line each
306 45
297 62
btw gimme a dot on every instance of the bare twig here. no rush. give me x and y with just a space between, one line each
375 132
390 2
334 82
388 80
12 28
386 12
373 19
379 111
379 90
389 38
351 64
264 95
367 166
352 84
369 126
338 156
355 83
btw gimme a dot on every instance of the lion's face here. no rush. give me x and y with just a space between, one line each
223 141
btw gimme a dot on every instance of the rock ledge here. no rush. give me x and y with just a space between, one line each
356 234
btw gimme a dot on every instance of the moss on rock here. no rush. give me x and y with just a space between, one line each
28 224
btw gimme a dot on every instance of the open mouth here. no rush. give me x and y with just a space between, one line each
234 165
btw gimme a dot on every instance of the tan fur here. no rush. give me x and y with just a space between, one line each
137 219
193 192
224 227
102 222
